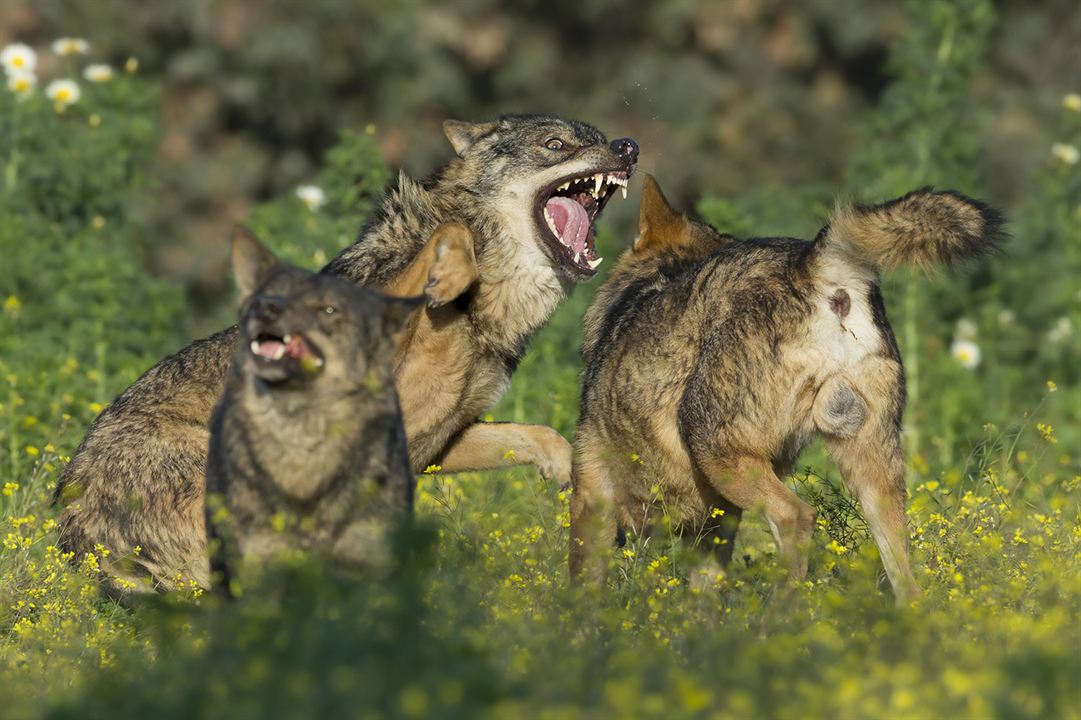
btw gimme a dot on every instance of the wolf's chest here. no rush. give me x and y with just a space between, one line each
300 456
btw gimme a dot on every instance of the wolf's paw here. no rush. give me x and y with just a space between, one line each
454 268
707 577
554 457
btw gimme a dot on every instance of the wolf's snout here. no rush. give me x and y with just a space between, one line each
267 308
626 148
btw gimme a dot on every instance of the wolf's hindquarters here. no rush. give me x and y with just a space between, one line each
923 228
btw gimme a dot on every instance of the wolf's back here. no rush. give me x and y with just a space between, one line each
922 228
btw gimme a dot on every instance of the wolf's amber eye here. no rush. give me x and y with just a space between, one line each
553 144
329 309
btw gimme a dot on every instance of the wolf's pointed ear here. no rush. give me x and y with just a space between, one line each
462 135
251 260
659 225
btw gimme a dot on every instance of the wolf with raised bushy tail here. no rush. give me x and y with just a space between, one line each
711 361
495 240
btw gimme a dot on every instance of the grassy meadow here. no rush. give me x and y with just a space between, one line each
478 620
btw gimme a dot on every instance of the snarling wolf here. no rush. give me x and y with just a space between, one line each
711 361
495 240
307 447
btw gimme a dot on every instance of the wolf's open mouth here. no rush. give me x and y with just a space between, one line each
567 210
279 356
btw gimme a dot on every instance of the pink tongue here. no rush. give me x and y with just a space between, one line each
571 221
268 348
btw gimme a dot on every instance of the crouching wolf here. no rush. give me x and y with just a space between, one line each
714 360
495 240
307 448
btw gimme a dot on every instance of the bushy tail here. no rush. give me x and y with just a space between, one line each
923 228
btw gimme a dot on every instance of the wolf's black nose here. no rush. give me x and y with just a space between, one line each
268 308
625 148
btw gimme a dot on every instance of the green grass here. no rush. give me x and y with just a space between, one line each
479 619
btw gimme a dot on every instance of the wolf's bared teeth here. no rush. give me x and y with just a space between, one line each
287 339
577 257
598 182
279 353
623 190
551 224
564 186
594 263
254 347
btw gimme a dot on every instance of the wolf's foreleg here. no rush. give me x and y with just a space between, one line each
443 269
593 512
487 446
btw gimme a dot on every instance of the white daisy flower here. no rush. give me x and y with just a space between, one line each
966 352
1066 153
21 82
313 196
18 57
63 92
71 46
965 329
1072 102
99 72
1062 330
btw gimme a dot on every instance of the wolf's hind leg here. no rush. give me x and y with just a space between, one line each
593 512
751 482
872 465
488 446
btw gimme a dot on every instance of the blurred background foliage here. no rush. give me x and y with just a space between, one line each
726 98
